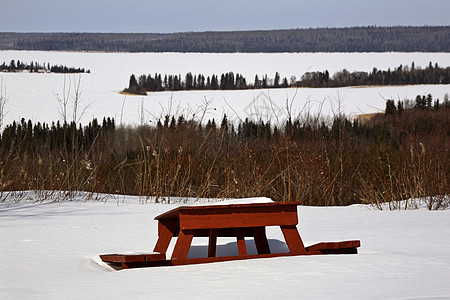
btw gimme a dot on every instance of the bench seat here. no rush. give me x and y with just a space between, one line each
345 247
136 260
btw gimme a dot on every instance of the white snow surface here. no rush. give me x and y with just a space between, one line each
33 96
50 250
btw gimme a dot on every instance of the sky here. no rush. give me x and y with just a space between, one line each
200 15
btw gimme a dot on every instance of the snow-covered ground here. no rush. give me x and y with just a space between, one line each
33 96
50 251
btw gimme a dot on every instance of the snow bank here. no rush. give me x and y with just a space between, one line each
49 251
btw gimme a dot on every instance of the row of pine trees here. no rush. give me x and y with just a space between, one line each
26 137
35 67
227 81
402 75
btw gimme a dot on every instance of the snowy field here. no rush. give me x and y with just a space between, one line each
33 96
50 251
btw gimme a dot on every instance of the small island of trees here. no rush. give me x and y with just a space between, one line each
35 67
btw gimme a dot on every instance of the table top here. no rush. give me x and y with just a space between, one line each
175 213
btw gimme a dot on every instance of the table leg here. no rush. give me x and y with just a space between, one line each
212 245
181 250
166 230
293 239
241 242
262 245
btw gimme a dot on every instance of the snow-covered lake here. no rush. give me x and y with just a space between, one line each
50 251
33 96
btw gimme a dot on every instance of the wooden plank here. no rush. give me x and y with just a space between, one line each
168 224
120 258
262 245
184 240
339 251
208 219
174 213
293 239
334 245
167 228
241 242
159 263
223 232
212 243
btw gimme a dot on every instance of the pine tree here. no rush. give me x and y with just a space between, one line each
400 107
421 102
133 82
276 82
264 81
257 83
429 100
390 108
188 81
214 83
224 124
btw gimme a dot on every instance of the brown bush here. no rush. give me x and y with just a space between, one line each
386 159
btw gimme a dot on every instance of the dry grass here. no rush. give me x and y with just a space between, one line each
384 160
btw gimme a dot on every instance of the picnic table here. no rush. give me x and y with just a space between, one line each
233 220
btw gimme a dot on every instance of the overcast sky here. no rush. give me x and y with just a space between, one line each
201 15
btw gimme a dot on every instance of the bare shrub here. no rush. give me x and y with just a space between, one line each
308 158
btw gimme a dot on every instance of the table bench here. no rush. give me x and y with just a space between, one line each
233 220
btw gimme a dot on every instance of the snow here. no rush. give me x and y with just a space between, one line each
49 250
33 96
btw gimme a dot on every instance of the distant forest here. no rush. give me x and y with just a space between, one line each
35 67
354 39
433 74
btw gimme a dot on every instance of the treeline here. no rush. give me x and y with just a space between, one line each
340 161
354 39
24 137
227 81
35 67
421 102
403 75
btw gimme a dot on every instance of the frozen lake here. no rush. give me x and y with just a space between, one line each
33 96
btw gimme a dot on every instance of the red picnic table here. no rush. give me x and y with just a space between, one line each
233 220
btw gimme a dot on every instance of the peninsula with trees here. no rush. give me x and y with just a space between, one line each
402 75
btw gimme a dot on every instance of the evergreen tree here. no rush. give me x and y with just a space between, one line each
257 83
421 102
429 100
264 81
390 108
224 124
133 82
188 84
276 81
400 107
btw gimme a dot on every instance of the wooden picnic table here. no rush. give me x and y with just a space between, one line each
232 220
